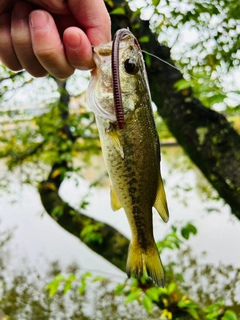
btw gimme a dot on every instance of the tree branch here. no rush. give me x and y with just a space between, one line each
110 243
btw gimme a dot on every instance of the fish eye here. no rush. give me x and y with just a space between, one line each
130 66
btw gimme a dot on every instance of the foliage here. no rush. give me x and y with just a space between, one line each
52 134
70 294
173 240
78 294
222 280
204 41
170 302
91 233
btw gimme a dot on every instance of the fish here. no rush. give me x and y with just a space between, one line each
119 96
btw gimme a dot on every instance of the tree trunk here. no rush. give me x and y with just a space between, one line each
206 136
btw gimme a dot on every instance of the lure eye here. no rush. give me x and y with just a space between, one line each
130 66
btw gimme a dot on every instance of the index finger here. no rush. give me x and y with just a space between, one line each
93 18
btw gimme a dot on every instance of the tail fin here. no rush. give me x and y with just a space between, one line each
140 260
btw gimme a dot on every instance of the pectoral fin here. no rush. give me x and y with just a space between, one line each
116 142
161 203
115 203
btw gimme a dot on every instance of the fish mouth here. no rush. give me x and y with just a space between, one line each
109 53
104 49
107 60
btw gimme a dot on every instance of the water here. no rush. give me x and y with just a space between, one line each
37 238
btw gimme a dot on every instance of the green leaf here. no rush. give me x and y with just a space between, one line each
182 84
190 307
119 289
87 274
72 277
147 303
171 287
187 304
133 296
82 287
52 289
67 287
53 286
148 60
99 278
155 2
217 98
192 228
188 230
163 291
144 39
193 312
185 233
90 233
57 211
153 294
212 316
229 315
120 11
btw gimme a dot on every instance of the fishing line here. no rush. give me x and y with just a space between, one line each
192 77
153 55
172 66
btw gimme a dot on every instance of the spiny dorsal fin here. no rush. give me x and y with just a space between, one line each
161 203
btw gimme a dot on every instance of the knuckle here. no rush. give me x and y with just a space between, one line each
54 62
46 54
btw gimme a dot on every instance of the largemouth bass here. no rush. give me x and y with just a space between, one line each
130 146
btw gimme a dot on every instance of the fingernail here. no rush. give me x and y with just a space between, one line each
39 20
73 41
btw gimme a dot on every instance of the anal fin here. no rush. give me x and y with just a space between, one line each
160 202
115 203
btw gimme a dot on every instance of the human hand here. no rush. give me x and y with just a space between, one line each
51 36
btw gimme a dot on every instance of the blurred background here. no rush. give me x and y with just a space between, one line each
54 189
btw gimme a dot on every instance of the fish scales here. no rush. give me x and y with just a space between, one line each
132 155
133 176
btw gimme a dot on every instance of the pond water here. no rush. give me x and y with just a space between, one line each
38 239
